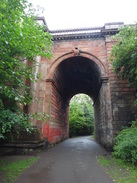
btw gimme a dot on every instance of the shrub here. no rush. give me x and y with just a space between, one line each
126 144
11 121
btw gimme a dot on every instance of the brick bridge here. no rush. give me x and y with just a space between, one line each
81 65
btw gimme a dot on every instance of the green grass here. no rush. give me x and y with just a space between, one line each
118 170
9 171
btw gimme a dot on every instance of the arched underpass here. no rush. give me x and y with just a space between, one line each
75 75
81 65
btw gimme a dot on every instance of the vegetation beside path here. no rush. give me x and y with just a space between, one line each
11 167
118 170
124 62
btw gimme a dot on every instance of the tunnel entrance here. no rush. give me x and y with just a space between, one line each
73 75
81 116
78 75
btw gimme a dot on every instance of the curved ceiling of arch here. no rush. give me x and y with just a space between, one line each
78 75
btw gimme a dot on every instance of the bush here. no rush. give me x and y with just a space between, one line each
11 121
80 128
126 144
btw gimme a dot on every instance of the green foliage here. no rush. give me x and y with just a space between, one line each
21 40
81 116
126 144
124 61
10 122
124 54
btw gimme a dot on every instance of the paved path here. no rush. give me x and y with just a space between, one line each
73 161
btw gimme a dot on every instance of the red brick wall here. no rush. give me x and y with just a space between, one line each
113 106
93 49
56 128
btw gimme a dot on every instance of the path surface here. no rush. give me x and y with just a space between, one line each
73 161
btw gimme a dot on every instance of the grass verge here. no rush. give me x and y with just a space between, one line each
118 170
9 171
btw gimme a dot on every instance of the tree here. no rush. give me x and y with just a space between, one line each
21 40
124 54
81 116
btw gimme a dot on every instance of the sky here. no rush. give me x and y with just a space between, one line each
63 14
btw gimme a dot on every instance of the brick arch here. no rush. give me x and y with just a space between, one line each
68 55
62 83
112 99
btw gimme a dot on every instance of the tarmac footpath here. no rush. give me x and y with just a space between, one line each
72 161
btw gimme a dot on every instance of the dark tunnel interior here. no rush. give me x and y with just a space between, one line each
78 75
